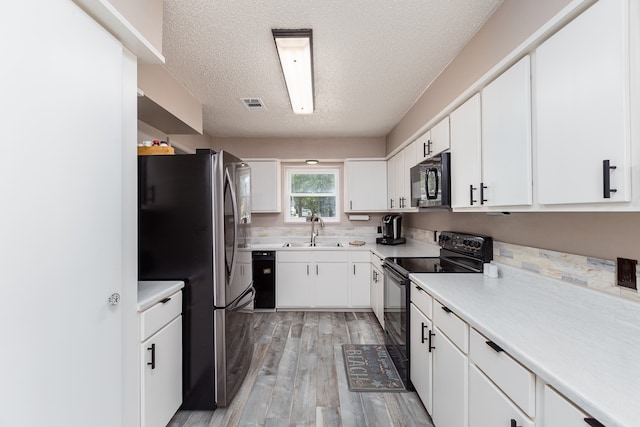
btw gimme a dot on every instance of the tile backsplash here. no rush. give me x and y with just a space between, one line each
594 273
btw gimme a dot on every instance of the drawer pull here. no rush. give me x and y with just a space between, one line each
418 288
593 422
431 334
514 423
166 300
495 346
153 356
446 309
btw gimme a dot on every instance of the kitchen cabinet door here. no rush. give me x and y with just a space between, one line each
359 286
265 185
377 294
294 284
394 183
409 161
366 185
582 108
466 154
450 373
421 357
506 138
488 406
161 367
440 140
331 284
433 142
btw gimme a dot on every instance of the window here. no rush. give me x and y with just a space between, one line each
312 191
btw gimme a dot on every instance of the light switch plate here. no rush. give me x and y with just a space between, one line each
626 272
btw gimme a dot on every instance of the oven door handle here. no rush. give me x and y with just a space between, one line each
395 275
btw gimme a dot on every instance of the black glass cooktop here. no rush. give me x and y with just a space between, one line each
437 265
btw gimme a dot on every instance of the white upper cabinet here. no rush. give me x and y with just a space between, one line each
409 161
434 141
366 185
395 165
506 138
466 160
582 109
265 185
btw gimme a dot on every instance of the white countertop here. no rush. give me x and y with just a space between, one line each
150 292
584 343
411 248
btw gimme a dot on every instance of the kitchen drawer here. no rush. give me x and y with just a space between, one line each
376 261
360 256
422 300
558 411
295 256
511 377
331 256
160 314
451 325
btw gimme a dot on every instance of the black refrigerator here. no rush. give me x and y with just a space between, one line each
193 216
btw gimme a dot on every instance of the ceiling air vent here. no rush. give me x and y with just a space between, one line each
254 104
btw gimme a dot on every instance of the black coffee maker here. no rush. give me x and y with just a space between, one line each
391 230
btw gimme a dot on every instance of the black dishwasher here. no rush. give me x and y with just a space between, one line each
264 278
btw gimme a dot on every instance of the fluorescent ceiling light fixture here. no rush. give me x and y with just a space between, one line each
294 50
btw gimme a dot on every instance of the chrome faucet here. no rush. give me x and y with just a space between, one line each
314 218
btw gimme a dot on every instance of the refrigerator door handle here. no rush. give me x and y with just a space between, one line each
234 206
237 304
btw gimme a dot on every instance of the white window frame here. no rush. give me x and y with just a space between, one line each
294 170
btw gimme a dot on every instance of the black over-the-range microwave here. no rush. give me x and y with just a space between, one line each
431 183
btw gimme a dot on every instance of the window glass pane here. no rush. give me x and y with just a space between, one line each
312 191
303 206
313 183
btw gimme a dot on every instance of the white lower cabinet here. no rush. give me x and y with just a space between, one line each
421 356
377 288
488 406
359 280
559 412
161 361
322 279
450 372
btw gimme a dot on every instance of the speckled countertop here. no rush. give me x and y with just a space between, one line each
584 343
150 292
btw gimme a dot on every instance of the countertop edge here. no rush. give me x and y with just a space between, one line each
151 292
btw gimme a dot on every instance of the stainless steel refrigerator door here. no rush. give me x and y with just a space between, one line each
233 299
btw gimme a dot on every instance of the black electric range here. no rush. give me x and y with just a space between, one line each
459 253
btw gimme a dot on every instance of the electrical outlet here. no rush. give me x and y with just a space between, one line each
626 273
379 229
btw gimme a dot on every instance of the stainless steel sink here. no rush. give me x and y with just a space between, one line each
309 245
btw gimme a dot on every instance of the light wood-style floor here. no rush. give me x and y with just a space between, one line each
297 378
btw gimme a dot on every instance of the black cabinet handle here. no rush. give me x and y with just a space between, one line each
166 300
514 423
482 188
593 422
429 144
447 309
153 356
423 328
606 179
391 203
351 204
495 346
354 269
424 149
431 334
471 200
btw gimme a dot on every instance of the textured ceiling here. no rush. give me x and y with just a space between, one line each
372 60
